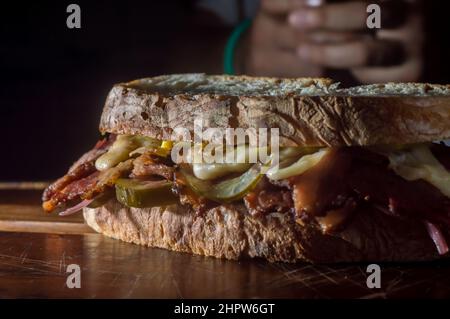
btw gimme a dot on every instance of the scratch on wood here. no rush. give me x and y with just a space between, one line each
326 276
116 276
375 295
133 286
62 263
24 253
28 268
22 262
175 283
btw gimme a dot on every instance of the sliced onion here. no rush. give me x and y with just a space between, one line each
76 208
225 191
438 238
297 168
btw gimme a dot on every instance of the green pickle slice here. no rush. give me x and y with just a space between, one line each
137 193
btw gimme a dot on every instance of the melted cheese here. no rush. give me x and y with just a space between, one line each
419 162
121 149
118 152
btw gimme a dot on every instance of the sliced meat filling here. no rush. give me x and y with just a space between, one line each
327 193
83 181
82 168
151 165
73 191
361 175
268 198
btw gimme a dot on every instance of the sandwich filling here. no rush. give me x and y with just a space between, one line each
323 186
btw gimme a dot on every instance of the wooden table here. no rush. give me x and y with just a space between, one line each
36 249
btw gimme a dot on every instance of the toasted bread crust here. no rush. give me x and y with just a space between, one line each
313 113
231 232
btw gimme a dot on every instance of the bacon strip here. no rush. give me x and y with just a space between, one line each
82 176
72 191
84 167
151 165
108 178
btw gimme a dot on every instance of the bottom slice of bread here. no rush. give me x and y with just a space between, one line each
229 231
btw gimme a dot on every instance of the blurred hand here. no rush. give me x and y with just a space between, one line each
296 38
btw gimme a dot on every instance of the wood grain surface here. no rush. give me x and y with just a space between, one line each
33 264
20 211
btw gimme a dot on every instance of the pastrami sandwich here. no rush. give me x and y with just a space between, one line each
358 174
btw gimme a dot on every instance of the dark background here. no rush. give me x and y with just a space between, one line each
54 80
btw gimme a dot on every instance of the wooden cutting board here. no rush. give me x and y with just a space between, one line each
36 248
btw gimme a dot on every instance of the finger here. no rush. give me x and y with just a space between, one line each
348 16
288 39
279 63
410 71
286 6
353 54
332 37
412 35
268 32
342 16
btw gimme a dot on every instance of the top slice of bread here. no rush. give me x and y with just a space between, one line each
307 111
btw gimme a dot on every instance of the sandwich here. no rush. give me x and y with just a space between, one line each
356 174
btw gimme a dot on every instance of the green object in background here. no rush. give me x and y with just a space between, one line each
230 48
